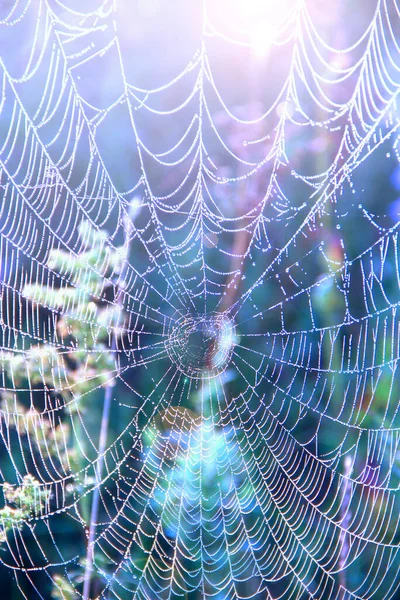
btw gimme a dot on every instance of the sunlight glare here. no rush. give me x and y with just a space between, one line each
260 20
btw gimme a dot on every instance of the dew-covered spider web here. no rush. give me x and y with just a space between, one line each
199 299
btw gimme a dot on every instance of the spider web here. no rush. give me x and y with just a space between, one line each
251 316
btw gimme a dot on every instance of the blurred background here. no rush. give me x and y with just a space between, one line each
199 293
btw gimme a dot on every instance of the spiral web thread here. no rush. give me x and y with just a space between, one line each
276 473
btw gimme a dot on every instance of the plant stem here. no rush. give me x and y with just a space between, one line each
344 523
105 419
251 194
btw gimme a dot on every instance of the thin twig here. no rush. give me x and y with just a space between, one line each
251 196
344 523
105 419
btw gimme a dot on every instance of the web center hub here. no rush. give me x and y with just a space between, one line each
201 345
